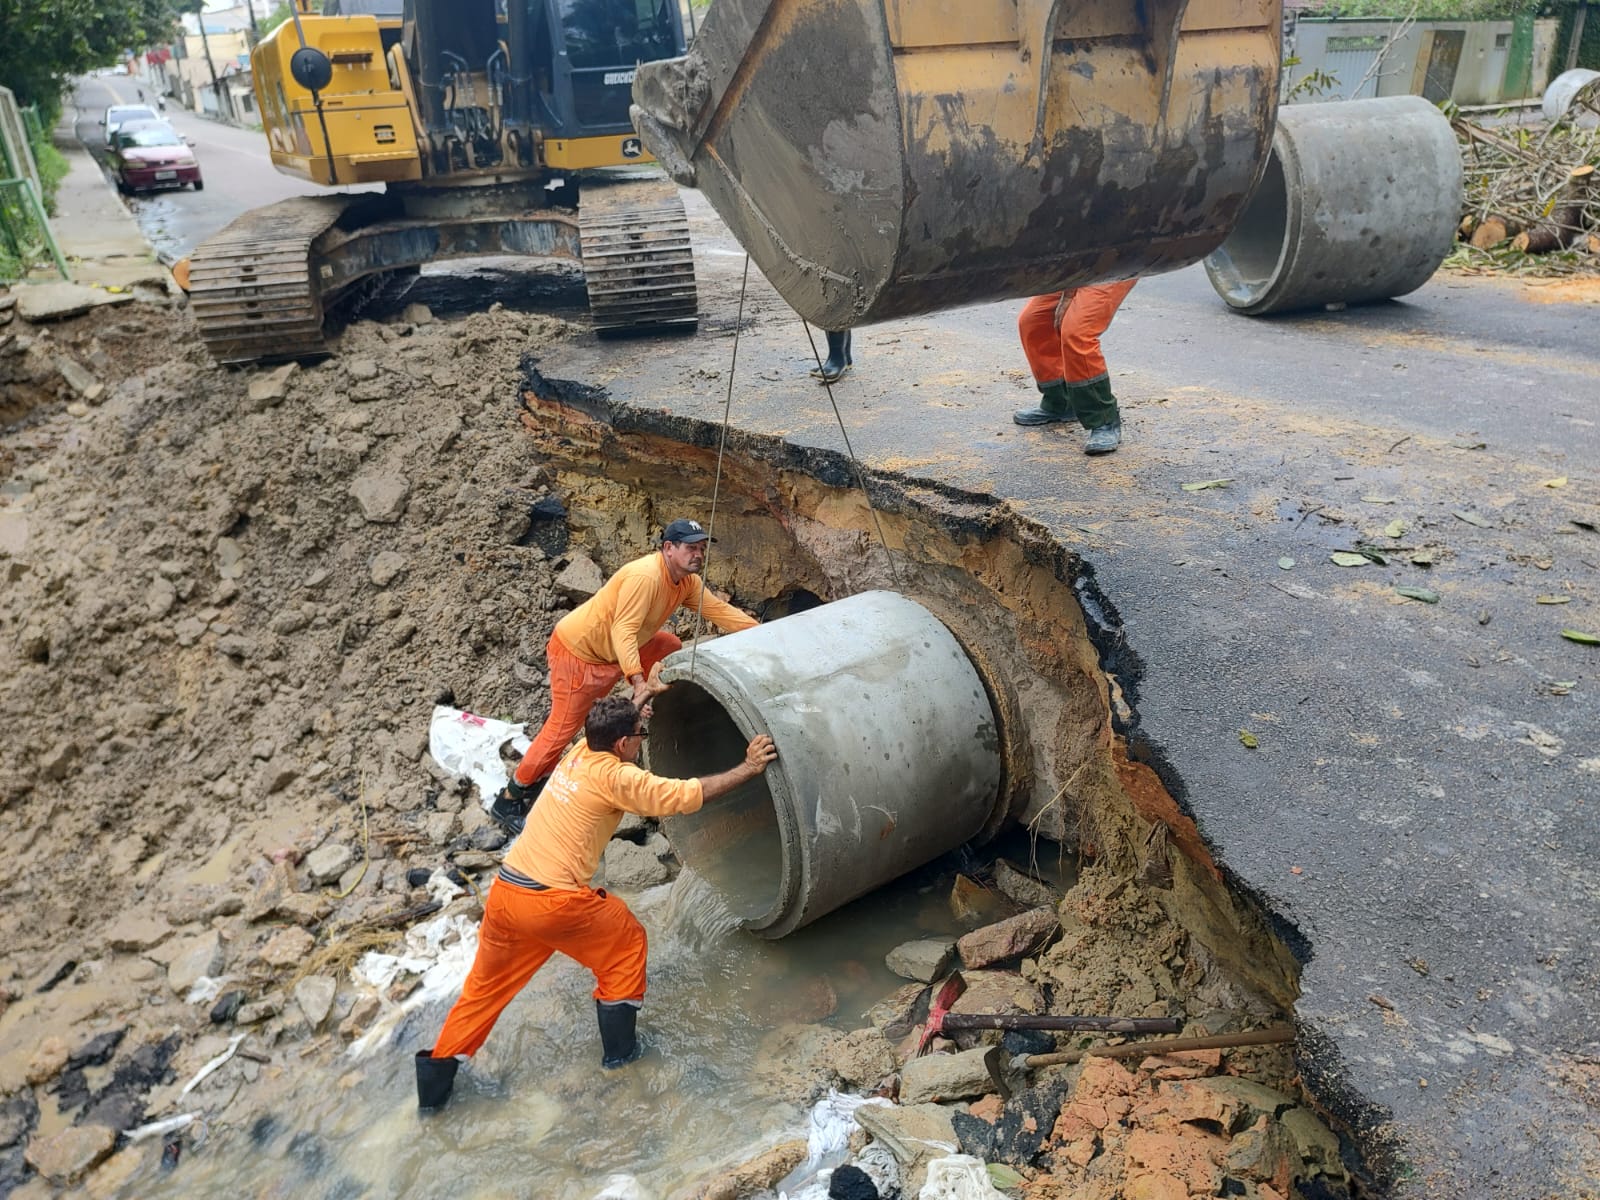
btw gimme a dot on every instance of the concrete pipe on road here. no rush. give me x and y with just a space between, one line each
888 755
1359 202
1563 90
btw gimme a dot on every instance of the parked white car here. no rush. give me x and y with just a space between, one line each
119 115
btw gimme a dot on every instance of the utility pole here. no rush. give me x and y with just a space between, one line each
1573 42
223 107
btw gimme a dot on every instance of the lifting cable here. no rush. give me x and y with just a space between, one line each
722 445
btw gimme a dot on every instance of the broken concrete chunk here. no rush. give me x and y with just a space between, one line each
68 1155
60 300
386 568
630 867
1012 938
286 948
271 388
230 558
326 863
925 959
195 959
79 378
914 1133
13 534
757 1175
961 1076
417 314
382 497
580 579
1023 888
361 368
160 598
135 932
314 997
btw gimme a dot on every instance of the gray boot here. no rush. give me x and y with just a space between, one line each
1103 439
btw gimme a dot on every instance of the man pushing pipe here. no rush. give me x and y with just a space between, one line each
541 901
617 633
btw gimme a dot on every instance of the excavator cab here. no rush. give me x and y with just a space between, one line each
881 158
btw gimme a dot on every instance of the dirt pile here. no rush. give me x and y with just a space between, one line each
218 589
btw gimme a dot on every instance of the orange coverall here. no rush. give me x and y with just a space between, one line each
560 847
614 634
1072 356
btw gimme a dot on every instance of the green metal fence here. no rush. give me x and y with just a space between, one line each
26 240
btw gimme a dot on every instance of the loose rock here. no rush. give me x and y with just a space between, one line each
926 959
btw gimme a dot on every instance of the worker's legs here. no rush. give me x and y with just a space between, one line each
574 687
512 945
1087 382
1042 346
600 932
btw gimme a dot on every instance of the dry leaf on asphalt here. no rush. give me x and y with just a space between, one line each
1558 481
1206 485
1248 739
1579 636
1552 599
1394 529
1345 558
1286 563
1471 518
1426 595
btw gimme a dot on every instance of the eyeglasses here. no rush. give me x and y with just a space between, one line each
640 733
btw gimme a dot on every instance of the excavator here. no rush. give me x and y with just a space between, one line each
876 158
488 126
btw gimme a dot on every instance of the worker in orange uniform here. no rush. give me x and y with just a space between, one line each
617 633
541 901
1061 337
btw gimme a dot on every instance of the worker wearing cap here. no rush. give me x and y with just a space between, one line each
615 634
541 901
1061 338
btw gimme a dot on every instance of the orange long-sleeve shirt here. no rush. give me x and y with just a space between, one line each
580 808
608 627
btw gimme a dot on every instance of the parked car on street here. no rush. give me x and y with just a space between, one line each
119 115
152 154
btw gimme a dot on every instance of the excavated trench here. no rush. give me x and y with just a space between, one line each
793 530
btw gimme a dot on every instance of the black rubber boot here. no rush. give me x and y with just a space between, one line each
839 360
619 1044
435 1079
513 803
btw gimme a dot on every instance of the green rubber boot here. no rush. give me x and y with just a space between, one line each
1054 407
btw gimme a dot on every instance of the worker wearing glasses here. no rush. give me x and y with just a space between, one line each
542 903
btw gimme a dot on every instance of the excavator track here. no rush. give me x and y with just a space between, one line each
637 260
251 286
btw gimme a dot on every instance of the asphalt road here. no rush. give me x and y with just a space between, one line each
233 162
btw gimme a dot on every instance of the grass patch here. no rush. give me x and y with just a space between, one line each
52 170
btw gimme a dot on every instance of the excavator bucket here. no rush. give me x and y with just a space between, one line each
881 158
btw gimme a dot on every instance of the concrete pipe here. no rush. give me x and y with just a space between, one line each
1563 90
1359 202
888 755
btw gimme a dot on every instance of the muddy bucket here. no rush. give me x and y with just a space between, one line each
881 158
888 755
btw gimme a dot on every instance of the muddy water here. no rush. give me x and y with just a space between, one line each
534 1116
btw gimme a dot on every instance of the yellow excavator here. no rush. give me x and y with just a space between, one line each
878 158
487 123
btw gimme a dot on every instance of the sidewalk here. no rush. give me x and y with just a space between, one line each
98 235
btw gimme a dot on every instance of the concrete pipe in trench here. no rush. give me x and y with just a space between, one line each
1359 202
888 755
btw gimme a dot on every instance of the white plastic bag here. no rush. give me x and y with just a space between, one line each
959 1177
464 743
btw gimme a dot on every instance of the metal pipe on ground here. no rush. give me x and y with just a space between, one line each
1359 202
888 755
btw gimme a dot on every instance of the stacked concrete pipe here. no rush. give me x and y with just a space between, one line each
1359 202
888 755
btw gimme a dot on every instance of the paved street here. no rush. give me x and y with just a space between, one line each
238 174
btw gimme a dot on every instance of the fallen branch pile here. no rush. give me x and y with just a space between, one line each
1532 199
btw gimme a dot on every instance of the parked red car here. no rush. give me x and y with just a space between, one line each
151 154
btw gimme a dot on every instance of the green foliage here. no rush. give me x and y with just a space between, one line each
1312 84
52 166
1439 10
44 42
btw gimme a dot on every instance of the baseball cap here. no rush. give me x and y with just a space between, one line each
683 530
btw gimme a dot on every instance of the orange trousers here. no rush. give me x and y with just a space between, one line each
520 930
1072 354
574 687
